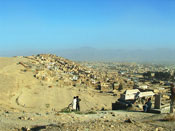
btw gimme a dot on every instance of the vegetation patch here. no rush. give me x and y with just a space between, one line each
47 105
78 112
85 113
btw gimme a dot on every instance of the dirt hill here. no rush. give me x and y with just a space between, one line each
45 83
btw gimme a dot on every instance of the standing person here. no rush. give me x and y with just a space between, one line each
172 89
78 104
74 103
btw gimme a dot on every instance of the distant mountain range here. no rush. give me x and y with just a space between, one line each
143 56
109 55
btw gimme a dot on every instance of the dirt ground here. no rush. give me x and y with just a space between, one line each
22 91
28 104
84 121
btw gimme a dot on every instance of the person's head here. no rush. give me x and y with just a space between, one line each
77 96
149 99
74 97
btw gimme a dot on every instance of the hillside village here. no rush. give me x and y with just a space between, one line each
144 77
63 72
114 78
42 86
107 77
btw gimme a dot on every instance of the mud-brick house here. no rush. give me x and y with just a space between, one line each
106 86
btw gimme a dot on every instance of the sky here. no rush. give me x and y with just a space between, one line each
38 25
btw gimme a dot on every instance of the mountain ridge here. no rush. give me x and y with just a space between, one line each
120 55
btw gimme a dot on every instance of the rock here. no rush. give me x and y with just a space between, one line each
102 109
159 129
25 129
38 128
106 121
22 118
38 114
113 114
7 112
112 126
30 119
129 120
50 86
104 117
103 126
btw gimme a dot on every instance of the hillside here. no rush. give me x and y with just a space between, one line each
48 83
35 89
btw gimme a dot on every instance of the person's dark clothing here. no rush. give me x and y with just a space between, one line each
172 103
147 106
172 92
78 104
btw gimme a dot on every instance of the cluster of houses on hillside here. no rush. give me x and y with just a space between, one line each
103 76
53 69
147 79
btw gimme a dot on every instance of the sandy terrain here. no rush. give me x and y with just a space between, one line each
108 120
21 91
27 103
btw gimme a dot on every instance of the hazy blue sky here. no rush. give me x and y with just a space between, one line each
61 24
